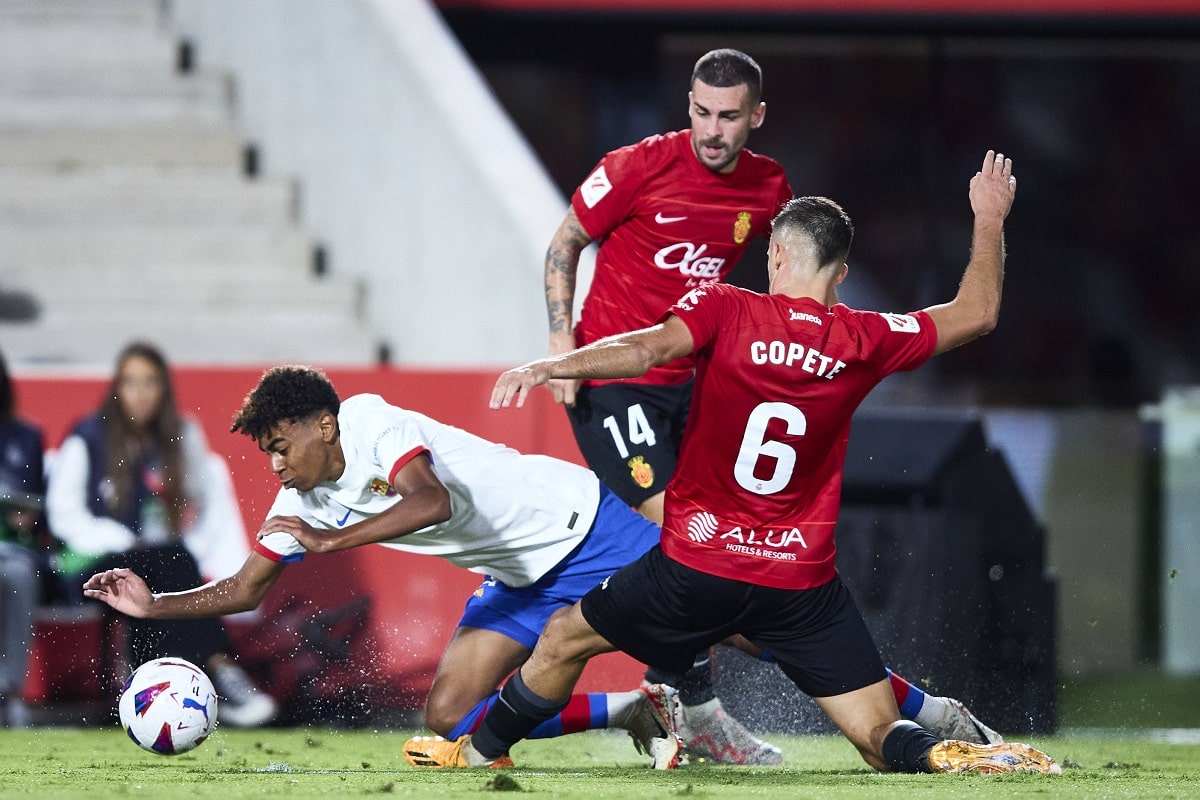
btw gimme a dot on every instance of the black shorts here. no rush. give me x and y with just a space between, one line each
663 613
629 434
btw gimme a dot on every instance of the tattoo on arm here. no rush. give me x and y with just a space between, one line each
562 263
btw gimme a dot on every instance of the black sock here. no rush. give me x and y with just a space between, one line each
696 685
656 675
510 719
906 747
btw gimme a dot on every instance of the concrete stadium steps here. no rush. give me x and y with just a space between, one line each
241 290
51 82
141 12
281 336
110 250
147 197
28 43
77 148
124 210
206 103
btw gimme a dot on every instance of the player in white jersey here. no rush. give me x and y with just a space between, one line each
512 516
363 471
544 531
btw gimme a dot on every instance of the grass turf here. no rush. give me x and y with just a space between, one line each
96 763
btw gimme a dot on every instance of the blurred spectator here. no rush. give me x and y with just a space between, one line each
22 558
135 486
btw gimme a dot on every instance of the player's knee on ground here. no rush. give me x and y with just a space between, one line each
444 710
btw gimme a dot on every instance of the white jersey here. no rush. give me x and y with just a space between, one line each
513 516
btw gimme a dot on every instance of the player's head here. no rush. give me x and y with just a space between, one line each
815 230
285 394
292 414
724 105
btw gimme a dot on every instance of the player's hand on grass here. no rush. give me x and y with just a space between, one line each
122 589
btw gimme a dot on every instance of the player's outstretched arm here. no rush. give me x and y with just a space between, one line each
561 268
122 589
125 591
975 309
626 355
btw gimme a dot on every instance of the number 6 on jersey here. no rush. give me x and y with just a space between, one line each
755 445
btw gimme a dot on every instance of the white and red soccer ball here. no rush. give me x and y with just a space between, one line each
168 706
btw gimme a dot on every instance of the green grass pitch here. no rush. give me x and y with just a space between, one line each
97 763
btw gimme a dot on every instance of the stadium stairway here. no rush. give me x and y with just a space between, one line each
129 208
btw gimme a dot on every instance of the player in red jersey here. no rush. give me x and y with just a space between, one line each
672 213
747 548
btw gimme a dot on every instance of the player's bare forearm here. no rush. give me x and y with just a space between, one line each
975 309
561 267
125 591
230 595
627 355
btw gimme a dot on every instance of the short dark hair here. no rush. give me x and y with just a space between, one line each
727 67
285 394
824 221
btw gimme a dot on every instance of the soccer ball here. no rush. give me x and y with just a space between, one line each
168 706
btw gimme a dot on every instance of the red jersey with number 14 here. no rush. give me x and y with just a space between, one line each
667 224
756 493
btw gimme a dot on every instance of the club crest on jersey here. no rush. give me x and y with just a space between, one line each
381 487
641 472
741 228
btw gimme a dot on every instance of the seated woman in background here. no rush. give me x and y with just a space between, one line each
23 562
130 487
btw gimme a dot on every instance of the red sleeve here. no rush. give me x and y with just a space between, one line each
404 459
700 310
899 341
606 197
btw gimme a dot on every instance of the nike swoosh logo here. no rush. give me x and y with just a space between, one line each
345 517
661 220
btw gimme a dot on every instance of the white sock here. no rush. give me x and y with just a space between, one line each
621 707
473 756
933 710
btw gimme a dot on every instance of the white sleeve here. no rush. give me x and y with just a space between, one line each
280 546
395 435
67 510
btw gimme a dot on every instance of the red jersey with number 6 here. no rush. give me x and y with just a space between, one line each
756 493
667 224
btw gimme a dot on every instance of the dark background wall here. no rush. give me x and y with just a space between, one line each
890 116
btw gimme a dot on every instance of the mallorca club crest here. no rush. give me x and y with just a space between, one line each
381 487
641 472
741 228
